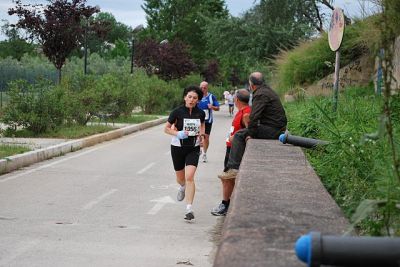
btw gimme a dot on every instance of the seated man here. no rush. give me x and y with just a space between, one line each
267 121
240 121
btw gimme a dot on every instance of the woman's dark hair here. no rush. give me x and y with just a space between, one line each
193 88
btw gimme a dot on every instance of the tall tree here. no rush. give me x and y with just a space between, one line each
107 30
57 26
183 20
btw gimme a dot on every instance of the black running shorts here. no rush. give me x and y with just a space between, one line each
183 156
207 128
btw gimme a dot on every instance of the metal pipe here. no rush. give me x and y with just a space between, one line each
316 250
286 138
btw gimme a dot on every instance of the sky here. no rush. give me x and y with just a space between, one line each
130 12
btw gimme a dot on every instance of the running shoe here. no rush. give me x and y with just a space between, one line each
204 157
181 195
189 216
219 210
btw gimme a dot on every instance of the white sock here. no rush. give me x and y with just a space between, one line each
182 188
189 207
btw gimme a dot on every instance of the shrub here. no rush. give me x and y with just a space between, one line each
37 107
82 99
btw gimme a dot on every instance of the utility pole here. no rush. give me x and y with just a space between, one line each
85 48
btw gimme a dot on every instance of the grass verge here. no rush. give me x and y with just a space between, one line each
353 168
64 132
9 150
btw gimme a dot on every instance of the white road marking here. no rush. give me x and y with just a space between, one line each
62 160
48 165
146 168
160 203
99 199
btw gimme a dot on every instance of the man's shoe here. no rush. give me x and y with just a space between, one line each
229 174
181 195
189 216
204 157
219 210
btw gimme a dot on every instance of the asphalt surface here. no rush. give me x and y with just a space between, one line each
111 204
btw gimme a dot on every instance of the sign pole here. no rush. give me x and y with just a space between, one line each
335 37
336 81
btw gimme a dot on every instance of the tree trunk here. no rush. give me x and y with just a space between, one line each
59 75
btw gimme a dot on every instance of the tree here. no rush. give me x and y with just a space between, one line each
106 30
57 26
15 46
311 10
183 20
169 60
211 71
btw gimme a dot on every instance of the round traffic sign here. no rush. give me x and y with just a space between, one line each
336 29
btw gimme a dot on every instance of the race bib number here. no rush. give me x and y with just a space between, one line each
192 126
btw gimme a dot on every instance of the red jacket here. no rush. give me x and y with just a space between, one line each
237 123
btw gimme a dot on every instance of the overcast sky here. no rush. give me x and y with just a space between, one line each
130 13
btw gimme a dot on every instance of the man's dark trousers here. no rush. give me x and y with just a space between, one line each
239 143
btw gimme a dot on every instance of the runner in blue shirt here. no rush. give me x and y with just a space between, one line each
208 104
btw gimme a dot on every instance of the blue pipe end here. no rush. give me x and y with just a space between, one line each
303 248
282 138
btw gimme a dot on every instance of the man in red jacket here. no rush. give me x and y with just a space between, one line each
240 121
267 121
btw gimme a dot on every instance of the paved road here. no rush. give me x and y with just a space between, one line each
111 205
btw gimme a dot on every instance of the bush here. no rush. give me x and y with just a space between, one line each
82 99
37 107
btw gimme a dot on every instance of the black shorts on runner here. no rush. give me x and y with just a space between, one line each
208 128
183 156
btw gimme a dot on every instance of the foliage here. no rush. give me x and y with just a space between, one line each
311 61
211 71
352 168
239 44
15 48
35 107
183 20
156 96
168 60
82 99
106 34
28 68
57 26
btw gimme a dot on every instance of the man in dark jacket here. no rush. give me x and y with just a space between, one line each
267 121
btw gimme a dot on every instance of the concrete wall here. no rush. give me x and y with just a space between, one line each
277 198
358 73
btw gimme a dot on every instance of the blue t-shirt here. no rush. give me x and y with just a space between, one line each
203 104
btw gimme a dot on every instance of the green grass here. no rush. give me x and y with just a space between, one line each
9 150
312 60
351 167
65 132
134 119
